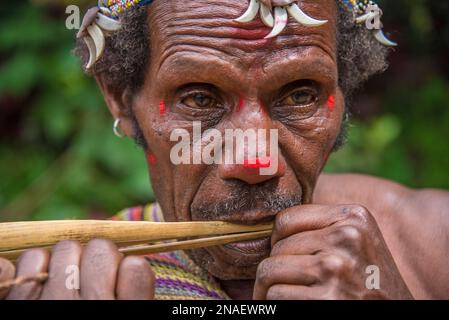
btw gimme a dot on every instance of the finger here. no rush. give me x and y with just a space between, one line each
63 282
99 266
30 263
294 292
135 279
304 243
296 270
313 217
7 272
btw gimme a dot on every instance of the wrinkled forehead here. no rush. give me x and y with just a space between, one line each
207 27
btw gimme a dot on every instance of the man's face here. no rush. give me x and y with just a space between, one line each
205 67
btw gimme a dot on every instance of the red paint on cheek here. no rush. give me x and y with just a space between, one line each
241 103
162 107
151 158
331 103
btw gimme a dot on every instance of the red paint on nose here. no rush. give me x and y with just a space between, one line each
331 103
241 103
151 158
162 107
260 162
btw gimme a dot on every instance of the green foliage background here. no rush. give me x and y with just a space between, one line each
59 158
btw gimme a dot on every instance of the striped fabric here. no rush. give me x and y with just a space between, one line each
177 276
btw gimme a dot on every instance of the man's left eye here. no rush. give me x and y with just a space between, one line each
300 97
199 100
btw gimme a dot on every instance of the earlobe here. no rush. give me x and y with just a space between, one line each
119 103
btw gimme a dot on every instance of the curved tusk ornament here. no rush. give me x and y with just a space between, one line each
106 23
380 36
280 22
98 38
92 51
266 16
366 16
250 13
303 18
280 19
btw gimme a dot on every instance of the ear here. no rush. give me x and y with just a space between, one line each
119 103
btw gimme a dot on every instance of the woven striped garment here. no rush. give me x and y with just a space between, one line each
177 276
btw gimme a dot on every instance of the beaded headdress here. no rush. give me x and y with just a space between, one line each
105 19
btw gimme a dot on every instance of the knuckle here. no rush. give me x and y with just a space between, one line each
264 271
348 236
274 293
281 224
278 248
333 265
357 212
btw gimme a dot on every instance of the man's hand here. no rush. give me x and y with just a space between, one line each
321 252
103 273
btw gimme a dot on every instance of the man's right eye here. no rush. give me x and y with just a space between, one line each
199 101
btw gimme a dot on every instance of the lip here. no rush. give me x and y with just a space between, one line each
251 217
251 247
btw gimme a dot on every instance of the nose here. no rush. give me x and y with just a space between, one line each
256 157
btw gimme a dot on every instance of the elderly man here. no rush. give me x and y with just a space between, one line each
279 65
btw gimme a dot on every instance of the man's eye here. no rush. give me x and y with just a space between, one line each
199 100
299 98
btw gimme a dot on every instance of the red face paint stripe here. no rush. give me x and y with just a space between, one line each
162 107
262 106
331 103
241 103
151 158
259 163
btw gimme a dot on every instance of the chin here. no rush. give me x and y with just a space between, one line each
229 262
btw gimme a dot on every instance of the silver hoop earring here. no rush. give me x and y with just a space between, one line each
116 129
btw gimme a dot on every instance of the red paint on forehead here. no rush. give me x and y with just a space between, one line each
254 30
331 103
162 107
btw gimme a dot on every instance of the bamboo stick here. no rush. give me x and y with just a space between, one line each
145 249
24 235
12 255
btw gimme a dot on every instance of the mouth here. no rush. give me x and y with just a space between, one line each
248 217
251 247
249 252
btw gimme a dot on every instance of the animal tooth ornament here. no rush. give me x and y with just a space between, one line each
280 19
364 11
104 19
101 21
